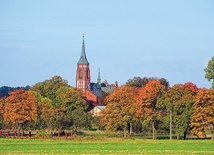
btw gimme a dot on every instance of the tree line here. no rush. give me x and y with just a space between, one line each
150 104
4 90
149 108
51 105
142 104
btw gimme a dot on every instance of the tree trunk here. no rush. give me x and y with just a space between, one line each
58 133
130 132
22 132
170 126
124 132
154 135
185 135
178 136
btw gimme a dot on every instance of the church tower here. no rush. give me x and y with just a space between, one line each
83 77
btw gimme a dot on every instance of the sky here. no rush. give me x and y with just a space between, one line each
167 39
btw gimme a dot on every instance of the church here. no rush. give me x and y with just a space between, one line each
93 92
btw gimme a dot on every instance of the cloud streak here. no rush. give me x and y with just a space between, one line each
13 45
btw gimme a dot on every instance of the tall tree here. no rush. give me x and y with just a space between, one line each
209 70
120 110
183 108
20 108
45 112
203 114
57 102
148 110
48 88
179 100
49 109
71 102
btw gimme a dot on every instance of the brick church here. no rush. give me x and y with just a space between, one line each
93 92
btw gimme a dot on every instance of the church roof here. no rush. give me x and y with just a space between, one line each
96 89
107 89
83 59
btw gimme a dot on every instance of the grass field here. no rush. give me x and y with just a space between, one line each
108 146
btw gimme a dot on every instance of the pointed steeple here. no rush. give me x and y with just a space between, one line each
99 77
83 58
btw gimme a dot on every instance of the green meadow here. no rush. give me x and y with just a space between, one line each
105 146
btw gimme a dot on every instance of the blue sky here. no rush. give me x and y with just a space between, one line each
155 38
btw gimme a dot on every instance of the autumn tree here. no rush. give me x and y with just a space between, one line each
120 109
2 105
203 113
20 109
147 108
209 70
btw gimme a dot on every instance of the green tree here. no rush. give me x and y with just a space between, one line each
137 82
71 102
81 119
141 82
179 100
48 88
209 70
120 109
57 101
45 112
166 103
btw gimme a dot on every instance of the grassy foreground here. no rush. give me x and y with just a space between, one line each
109 146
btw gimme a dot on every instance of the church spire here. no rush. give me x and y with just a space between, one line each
99 77
83 58
83 77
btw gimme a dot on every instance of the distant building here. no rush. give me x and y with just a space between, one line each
97 111
93 92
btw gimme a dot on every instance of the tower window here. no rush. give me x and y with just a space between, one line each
80 74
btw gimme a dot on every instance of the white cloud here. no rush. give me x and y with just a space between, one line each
13 45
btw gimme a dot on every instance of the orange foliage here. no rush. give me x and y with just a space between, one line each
191 87
2 100
20 108
203 114
121 108
148 96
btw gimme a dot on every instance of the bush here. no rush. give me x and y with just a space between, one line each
42 134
